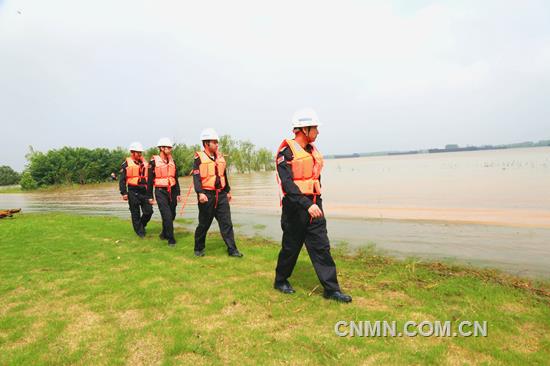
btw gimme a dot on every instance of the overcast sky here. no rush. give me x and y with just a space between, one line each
382 75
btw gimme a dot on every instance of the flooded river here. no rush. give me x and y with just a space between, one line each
482 207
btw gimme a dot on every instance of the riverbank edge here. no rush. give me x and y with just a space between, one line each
54 188
537 287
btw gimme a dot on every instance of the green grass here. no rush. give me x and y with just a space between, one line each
11 189
56 188
86 290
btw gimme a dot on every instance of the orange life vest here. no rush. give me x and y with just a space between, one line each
165 173
210 169
306 167
133 176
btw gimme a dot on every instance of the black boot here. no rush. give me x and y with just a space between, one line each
235 253
285 287
141 232
336 296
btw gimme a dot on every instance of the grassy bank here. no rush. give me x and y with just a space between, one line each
11 189
57 188
86 290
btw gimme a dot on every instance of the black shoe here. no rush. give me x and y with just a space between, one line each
235 253
162 237
199 253
336 296
141 230
141 235
172 242
284 287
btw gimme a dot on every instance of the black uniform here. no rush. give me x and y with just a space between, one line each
140 208
167 200
217 207
298 227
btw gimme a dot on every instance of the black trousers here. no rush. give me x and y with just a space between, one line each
298 228
222 212
167 206
140 209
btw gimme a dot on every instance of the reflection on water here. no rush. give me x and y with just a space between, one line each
438 199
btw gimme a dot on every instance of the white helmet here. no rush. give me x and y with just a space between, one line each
209 134
135 146
305 118
165 141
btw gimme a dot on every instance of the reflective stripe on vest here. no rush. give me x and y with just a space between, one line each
306 167
165 173
133 175
208 169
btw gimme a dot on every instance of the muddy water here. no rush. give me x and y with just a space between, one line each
502 187
487 208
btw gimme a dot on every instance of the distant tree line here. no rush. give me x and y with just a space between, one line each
241 156
70 165
8 176
78 165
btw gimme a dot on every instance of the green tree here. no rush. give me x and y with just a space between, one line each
8 176
27 182
228 147
73 165
81 165
264 160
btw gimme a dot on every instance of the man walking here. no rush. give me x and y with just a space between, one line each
133 188
163 178
299 166
213 193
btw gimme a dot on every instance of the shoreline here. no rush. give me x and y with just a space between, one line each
392 239
516 249
483 216
347 252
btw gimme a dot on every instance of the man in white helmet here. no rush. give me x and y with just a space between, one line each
133 188
299 166
163 180
213 194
